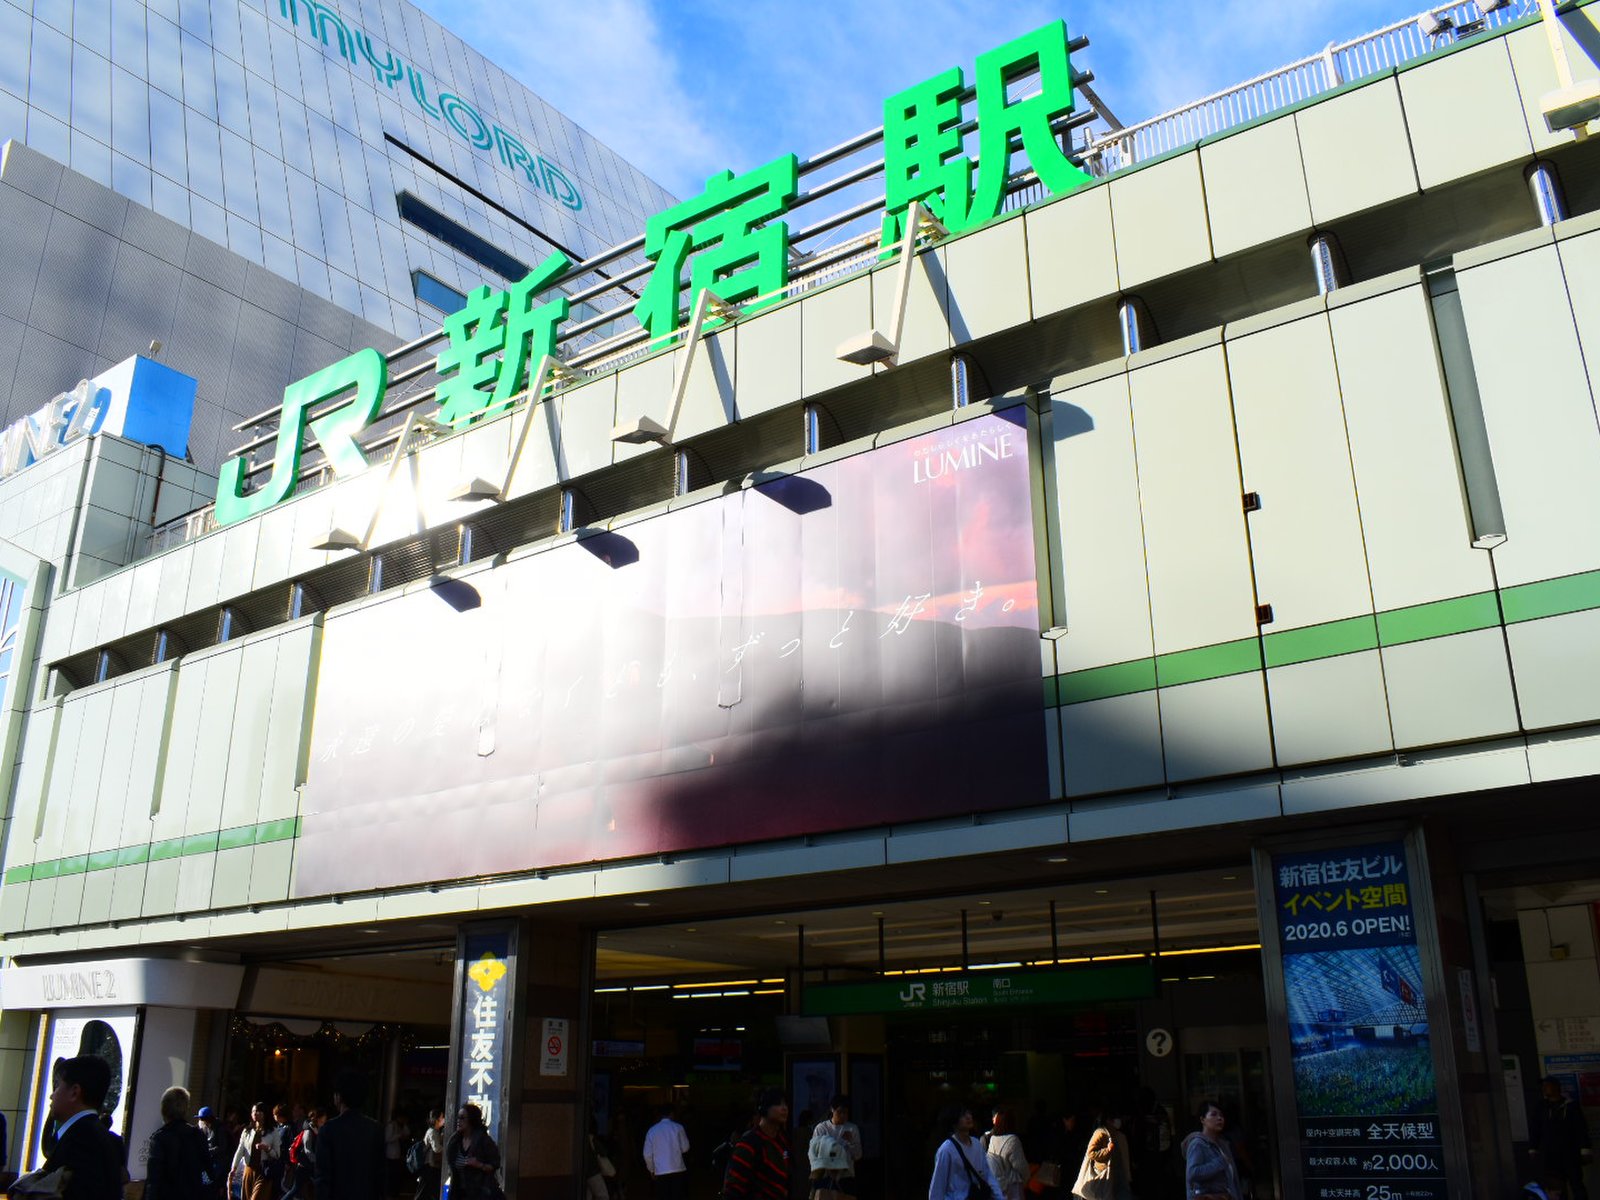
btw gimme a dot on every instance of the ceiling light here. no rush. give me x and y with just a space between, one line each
1058 859
985 901
1102 891
641 904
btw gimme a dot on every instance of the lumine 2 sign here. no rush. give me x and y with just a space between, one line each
730 237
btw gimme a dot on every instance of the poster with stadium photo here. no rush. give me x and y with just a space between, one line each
1364 1078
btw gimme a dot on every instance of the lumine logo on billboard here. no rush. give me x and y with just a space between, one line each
69 417
324 22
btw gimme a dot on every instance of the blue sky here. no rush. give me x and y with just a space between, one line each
684 90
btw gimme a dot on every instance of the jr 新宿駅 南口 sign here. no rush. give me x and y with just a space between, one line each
730 237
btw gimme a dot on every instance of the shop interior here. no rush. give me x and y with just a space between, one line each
1150 999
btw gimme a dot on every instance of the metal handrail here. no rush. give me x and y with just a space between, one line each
1117 149
1339 63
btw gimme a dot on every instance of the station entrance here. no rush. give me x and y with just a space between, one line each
1123 1002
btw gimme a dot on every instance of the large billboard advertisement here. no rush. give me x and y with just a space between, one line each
852 646
1360 1043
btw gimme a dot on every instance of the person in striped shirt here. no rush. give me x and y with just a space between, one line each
758 1169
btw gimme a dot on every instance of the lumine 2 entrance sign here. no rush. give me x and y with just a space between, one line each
732 239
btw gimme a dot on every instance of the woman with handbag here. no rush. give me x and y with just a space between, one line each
1209 1170
1104 1173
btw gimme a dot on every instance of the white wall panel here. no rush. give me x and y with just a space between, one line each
1105 597
1539 412
1200 586
1413 512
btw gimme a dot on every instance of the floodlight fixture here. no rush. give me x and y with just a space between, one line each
1435 25
641 431
1574 103
337 539
874 346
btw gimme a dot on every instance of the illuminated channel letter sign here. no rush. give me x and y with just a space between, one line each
731 239
325 25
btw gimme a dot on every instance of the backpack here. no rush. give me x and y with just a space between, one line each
417 1157
300 1149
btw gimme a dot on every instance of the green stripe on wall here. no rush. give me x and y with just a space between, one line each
1439 619
1100 683
1551 597
128 856
1321 641
1208 662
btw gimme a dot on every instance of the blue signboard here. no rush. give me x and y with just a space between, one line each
483 1042
1364 1082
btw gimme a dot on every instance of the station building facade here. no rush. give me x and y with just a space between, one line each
358 153
1169 672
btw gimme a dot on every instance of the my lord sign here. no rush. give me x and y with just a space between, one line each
730 238
973 990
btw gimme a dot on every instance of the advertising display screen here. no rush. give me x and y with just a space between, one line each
108 1033
1358 1025
852 646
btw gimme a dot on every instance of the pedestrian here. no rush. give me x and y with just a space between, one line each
960 1165
300 1175
433 1139
396 1137
1007 1160
179 1165
834 1151
1560 1140
1099 1177
248 1156
83 1163
1210 1172
758 1168
472 1158
664 1147
599 1169
349 1147
216 1149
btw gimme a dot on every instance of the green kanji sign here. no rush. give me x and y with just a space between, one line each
972 990
730 239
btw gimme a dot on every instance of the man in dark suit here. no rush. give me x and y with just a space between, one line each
350 1163
84 1153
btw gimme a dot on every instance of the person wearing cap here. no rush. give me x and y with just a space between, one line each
758 1169
216 1145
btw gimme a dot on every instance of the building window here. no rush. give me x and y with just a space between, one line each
459 238
440 295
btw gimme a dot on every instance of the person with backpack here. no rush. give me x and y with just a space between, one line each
425 1158
179 1161
298 1175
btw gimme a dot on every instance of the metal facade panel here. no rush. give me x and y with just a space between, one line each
1215 727
767 369
1310 561
1329 709
927 325
1446 142
826 319
1101 582
988 282
1556 662
1112 744
1540 415
1201 591
1255 186
1450 689
1413 513
1159 214
1356 150
1072 255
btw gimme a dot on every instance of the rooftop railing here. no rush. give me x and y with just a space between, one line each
848 204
